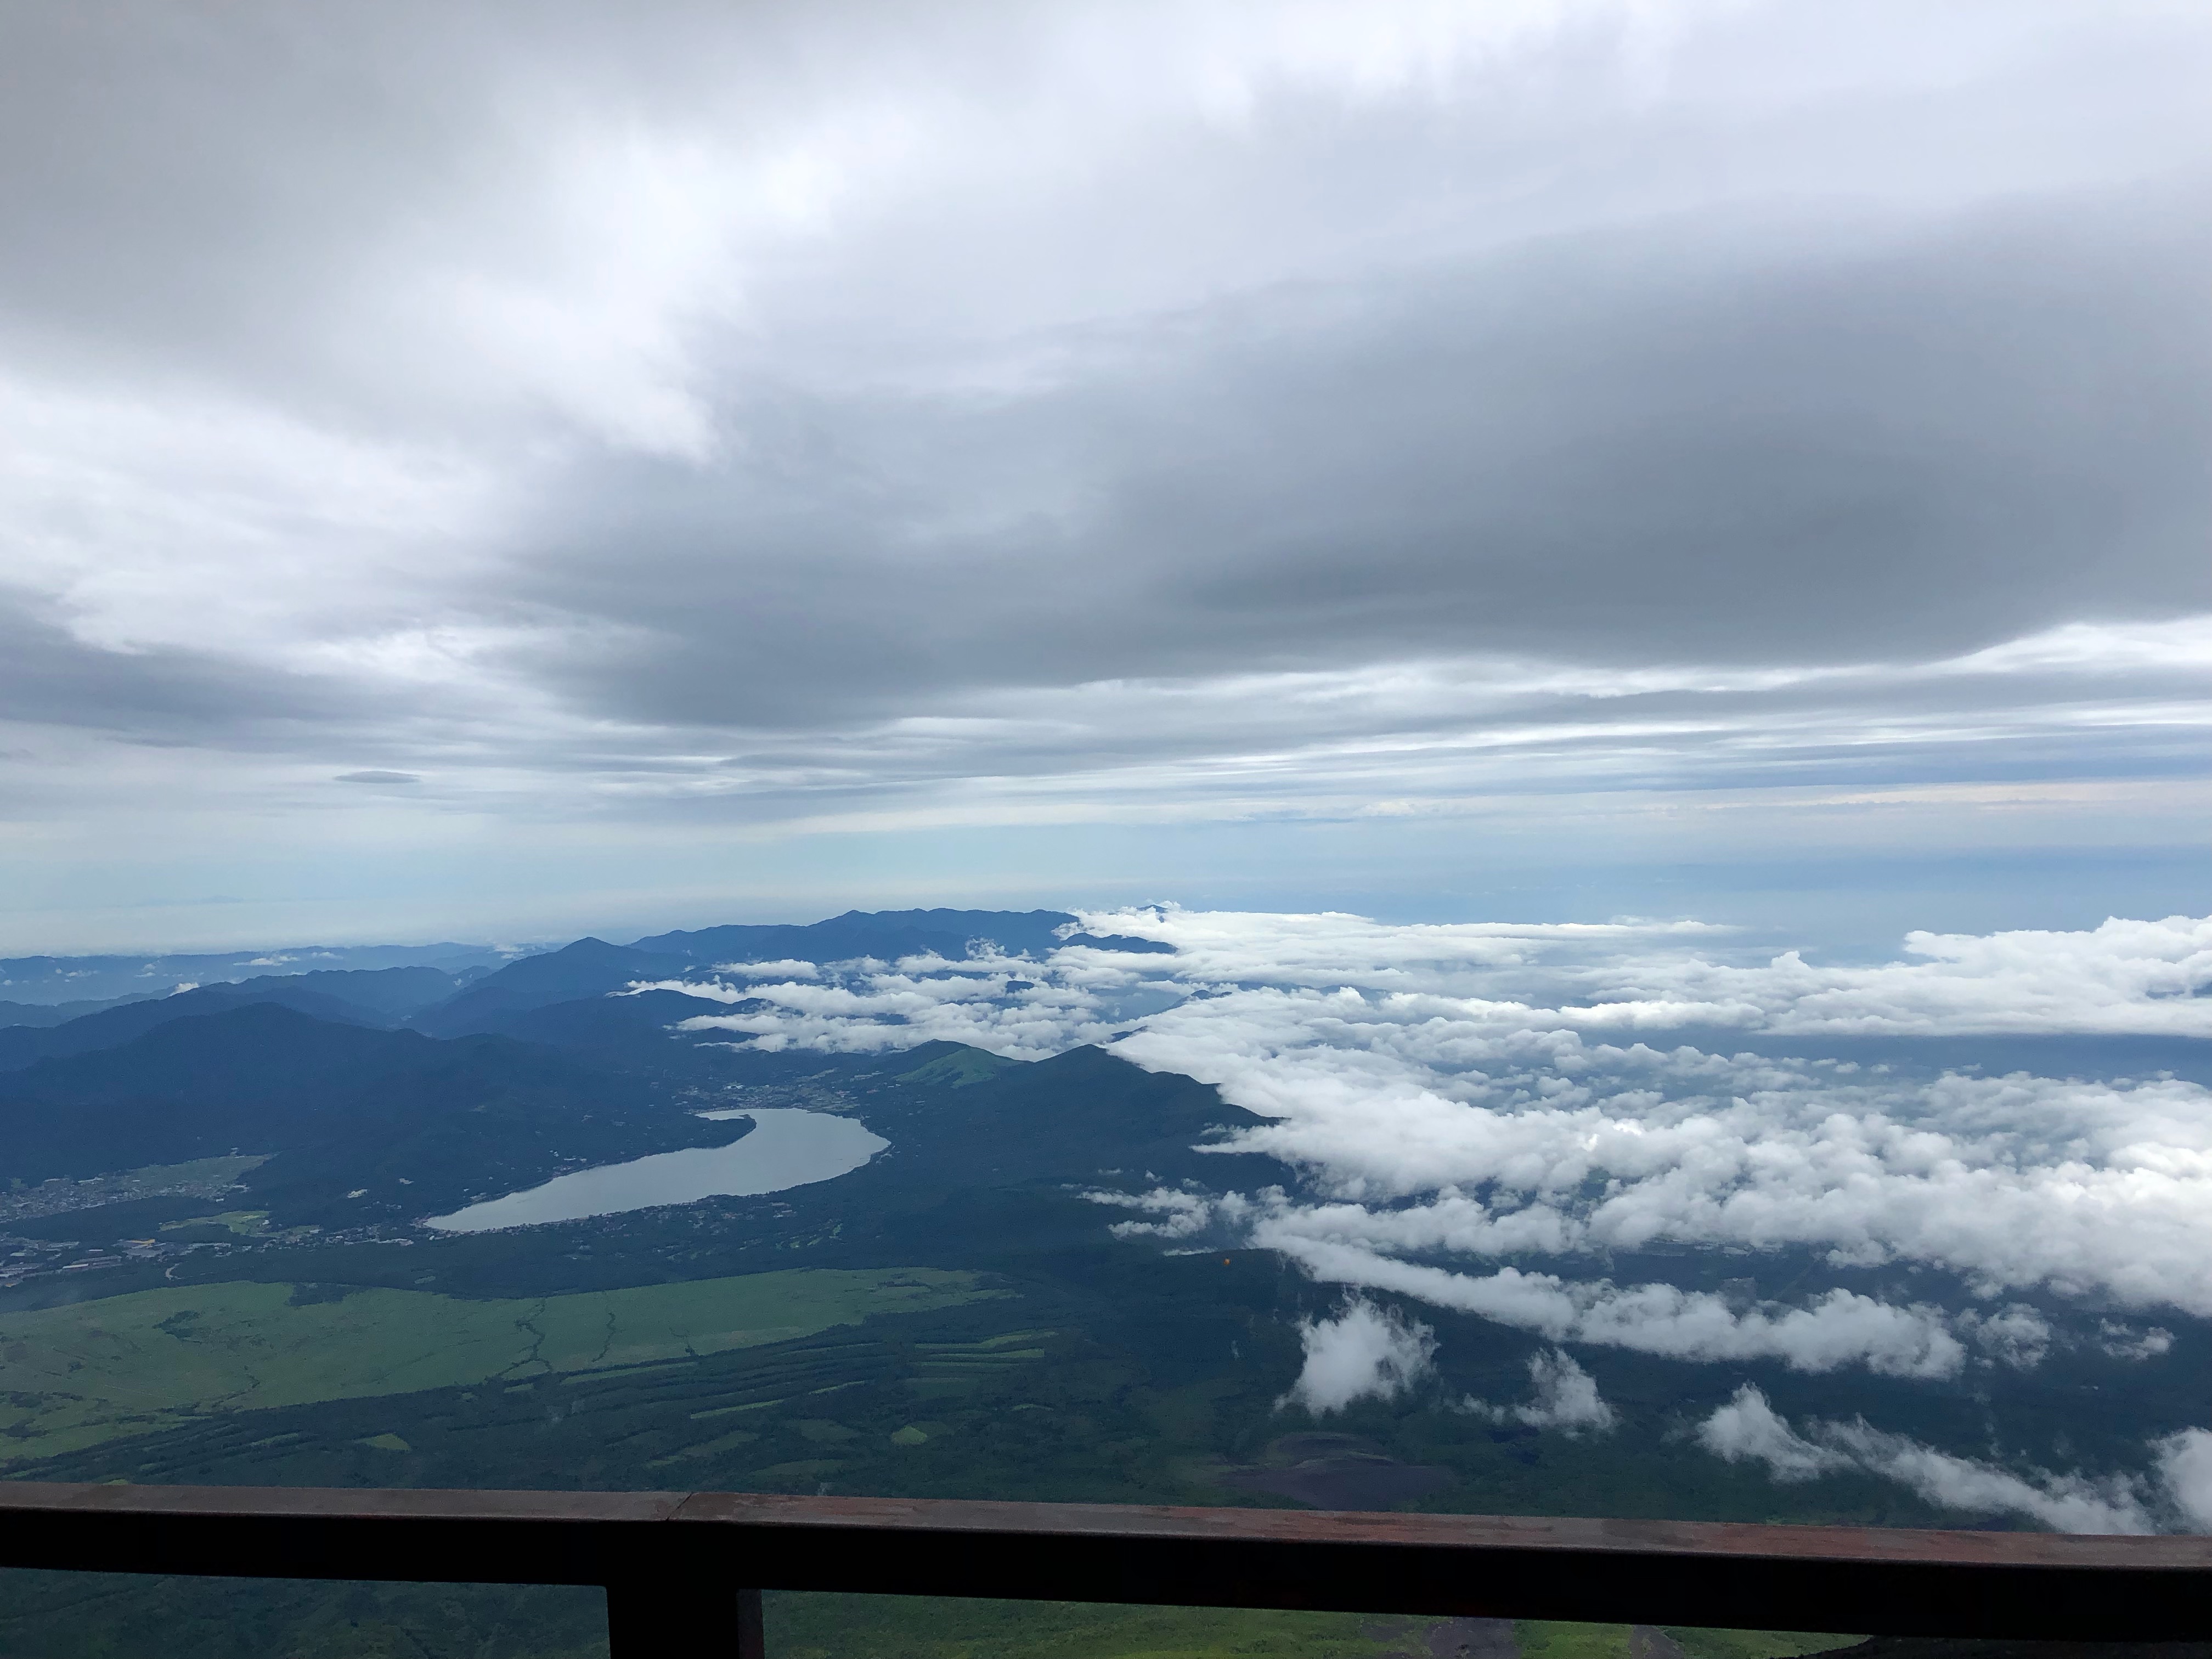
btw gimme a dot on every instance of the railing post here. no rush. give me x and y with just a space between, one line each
752 1638
682 1615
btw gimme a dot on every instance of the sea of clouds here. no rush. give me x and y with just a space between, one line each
1485 1115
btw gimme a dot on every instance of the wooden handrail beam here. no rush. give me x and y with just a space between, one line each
719 1546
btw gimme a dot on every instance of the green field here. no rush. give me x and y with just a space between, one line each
1539 1640
73 1377
942 1627
245 1223
934 1627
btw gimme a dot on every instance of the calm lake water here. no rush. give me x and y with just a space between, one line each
786 1148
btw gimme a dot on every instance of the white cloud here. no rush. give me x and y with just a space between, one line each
2017 1334
1365 1353
1837 1328
1748 1429
705 991
867 1011
2124 1342
1427 1072
1178 1214
1566 1399
1616 982
2184 1465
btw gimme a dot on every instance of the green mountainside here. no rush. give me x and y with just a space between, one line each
359 1125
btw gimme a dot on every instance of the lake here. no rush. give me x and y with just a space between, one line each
786 1148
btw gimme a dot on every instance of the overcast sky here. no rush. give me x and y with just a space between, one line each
494 470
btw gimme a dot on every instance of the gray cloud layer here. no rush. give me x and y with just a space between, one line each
816 411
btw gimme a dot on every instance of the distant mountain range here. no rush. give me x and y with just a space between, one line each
382 1093
488 995
45 981
50 990
377 997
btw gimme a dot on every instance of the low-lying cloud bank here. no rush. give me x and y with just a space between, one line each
1835 1330
1475 1109
1304 977
1481 1092
2177 1490
1372 1352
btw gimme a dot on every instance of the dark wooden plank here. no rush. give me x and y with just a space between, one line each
1874 1580
285 1532
1681 1538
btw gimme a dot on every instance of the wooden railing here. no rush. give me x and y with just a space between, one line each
684 1571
